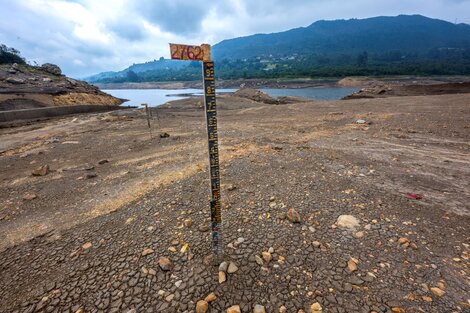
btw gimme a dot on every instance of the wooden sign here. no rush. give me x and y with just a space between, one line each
186 52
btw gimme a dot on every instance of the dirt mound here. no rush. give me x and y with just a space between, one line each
391 90
24 86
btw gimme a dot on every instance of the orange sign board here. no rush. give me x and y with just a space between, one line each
186 52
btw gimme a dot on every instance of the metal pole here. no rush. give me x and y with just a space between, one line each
211 122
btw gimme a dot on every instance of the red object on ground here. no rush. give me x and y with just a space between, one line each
417 197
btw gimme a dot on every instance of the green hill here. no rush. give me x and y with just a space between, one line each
401 45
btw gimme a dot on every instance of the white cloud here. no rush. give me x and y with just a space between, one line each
89 36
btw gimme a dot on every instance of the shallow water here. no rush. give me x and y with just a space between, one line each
156 97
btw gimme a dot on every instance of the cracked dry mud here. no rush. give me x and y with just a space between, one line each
94 244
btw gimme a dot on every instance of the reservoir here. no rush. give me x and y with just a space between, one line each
156 97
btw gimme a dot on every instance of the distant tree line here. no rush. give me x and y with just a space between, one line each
10 55
432 62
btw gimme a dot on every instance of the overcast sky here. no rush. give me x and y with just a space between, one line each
85 37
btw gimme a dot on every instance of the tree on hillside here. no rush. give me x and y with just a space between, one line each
10 55
132 77
362 60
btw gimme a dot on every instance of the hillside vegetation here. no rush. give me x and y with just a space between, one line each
401 45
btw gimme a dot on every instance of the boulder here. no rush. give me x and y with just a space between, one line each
52 69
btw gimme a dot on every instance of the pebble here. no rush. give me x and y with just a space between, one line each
259 260
87 245
147 251
232 268
223 267
222 277
437 291
347 221
234 309
282 309
267 256
29 196
188 222
178 283
164 263
210 297
203 228
259 309
293 215
359 234
316 307
169 298
202 306
41 171
352 265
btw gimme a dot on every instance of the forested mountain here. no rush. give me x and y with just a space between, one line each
405 44
404 33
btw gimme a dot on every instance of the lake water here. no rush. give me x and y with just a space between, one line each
156 97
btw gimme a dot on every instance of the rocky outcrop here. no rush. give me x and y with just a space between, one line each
24 86
52 69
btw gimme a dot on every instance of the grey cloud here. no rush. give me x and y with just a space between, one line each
129 29
176 16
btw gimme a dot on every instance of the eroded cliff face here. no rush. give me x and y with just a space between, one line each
24 87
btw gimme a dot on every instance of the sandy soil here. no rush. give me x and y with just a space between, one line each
115 189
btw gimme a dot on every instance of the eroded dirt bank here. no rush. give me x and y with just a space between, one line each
87 237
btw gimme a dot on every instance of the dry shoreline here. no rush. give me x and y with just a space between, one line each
88 235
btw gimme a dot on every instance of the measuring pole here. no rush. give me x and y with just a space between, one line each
203 53
212 137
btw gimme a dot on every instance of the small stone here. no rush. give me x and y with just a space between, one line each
202 306
164 135
293 215
316 244
232 268
240 240
282 309
259 309
223 266
398 310
165 263
29 196
152 272
437 291
347 221
403 240
259 260
178 283
161 293
147 251
41 171
188 222
427 299
231 188
267 256
91 175
352 265
359 234
271 250
222 277
316 307
234 309
172 249
360 121
87 245
203 228
101 162
169 298
210 297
